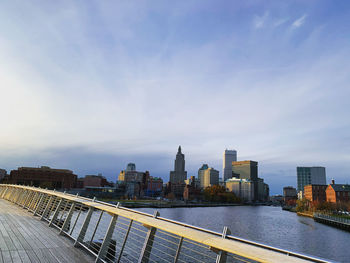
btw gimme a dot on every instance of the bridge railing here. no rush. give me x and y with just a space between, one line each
333 218
117 234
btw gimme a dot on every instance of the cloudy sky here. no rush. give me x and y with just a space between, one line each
93 85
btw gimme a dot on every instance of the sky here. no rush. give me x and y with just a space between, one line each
93 85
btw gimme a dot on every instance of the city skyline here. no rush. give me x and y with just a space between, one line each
92 86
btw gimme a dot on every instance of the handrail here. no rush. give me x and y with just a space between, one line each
341 220
162 237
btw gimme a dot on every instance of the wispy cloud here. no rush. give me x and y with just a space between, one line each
260 21
299 22
280 22
122 85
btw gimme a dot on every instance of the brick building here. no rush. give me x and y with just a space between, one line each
154 186
44 177
289 193
338 193
96 181
315 192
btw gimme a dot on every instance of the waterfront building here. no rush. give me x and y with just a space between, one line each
338 193
131 175
242 188
44 177
208 176
154 186
131 167
193 181
263 191
95 181
247 170
315 192
3 173
201 174
310 175
229 156
135 182
289 193
192 190
179 175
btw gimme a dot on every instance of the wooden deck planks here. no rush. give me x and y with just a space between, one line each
25 238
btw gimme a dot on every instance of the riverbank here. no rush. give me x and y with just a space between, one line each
307 214
171 204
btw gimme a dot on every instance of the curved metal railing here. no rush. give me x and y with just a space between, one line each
117 234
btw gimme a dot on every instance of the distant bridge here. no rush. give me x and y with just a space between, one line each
103 232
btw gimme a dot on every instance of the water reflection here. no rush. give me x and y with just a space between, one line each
269 225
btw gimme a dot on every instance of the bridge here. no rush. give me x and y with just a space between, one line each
40 225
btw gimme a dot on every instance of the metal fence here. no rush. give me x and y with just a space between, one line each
336 219
116 234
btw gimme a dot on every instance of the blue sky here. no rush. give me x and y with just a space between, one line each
93 85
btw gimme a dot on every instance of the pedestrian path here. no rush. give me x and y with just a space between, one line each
25 238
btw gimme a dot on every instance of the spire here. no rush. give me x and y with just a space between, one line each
179 150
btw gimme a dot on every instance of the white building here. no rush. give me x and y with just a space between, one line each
208 176
242 188
229 156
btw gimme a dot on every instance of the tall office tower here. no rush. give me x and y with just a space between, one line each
130 167
208 176
179 175
247 170
310 175
229 157
201 172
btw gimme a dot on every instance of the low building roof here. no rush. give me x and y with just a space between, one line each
341 187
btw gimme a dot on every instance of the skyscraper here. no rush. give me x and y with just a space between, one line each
229 157
247 170
208 176
179 175
310 175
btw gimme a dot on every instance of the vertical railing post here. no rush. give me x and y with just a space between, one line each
124 241
39 204
47 207
4 193
55 214
68 219
222 255
14 196
23 195
9 193
178 250
27 198
84 227
17 195
147 245
34 199
106 241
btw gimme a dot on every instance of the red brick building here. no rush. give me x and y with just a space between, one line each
96 181
315 192
338 193
44 177
154 186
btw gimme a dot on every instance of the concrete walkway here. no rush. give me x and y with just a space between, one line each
24 238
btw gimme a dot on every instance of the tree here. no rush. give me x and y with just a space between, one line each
217 193
302 205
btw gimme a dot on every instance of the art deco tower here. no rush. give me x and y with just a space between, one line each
179 175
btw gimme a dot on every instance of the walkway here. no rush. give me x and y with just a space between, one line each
24 238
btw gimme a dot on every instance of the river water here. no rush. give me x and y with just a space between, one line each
268 225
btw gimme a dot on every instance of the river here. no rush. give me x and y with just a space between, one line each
268 225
